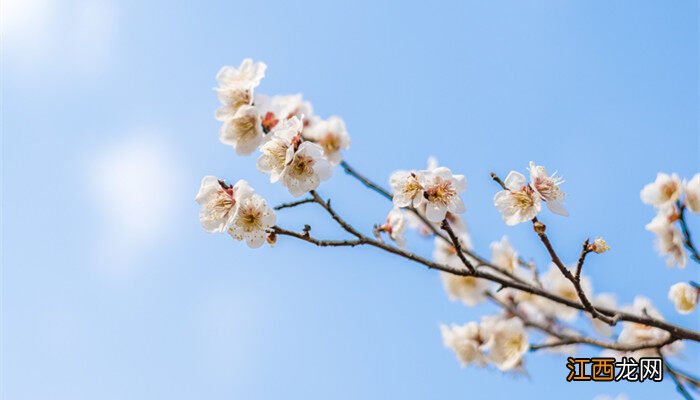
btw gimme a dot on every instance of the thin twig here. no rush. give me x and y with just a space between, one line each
566 338
318 242
581 259
457 245
677 378
351 171
327 206
498 180
294 203
540 229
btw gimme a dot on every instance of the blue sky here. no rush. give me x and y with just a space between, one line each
111 290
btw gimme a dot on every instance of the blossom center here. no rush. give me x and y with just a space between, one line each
302 166
221 205
668 190
440 192
523 198
330 143
250 219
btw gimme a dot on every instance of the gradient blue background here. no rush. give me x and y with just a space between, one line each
604 92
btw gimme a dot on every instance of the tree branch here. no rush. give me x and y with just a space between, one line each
294 203
677 378
318 242
540 229
567 339
351 171
581 260
613 315
457 245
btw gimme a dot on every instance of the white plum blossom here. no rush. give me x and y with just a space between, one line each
547 187
605 300
465 341
467 289
445 252
273 159
275 109
599 246
236 86
663 192
407 188
331 135
456 221
669 239
506 343
556 283
692 193
252 220
305 168
441 192
637 334
518 202
298 165
503 255
242 131
684 297
395 226
529 304
219 203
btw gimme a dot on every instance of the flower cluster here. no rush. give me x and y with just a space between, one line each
497 340
236 209
297 148
521 201
666 194
634 334
432 193
435 190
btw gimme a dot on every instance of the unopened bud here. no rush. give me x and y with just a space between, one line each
598 246
271 239
539 227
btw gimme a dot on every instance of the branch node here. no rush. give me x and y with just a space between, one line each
539 227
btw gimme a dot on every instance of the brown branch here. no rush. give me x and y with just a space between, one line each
318 242
386 194
581 259
567 339
540 229
677 378
327 206
457 245
351 171
498 180
294 204
676 332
